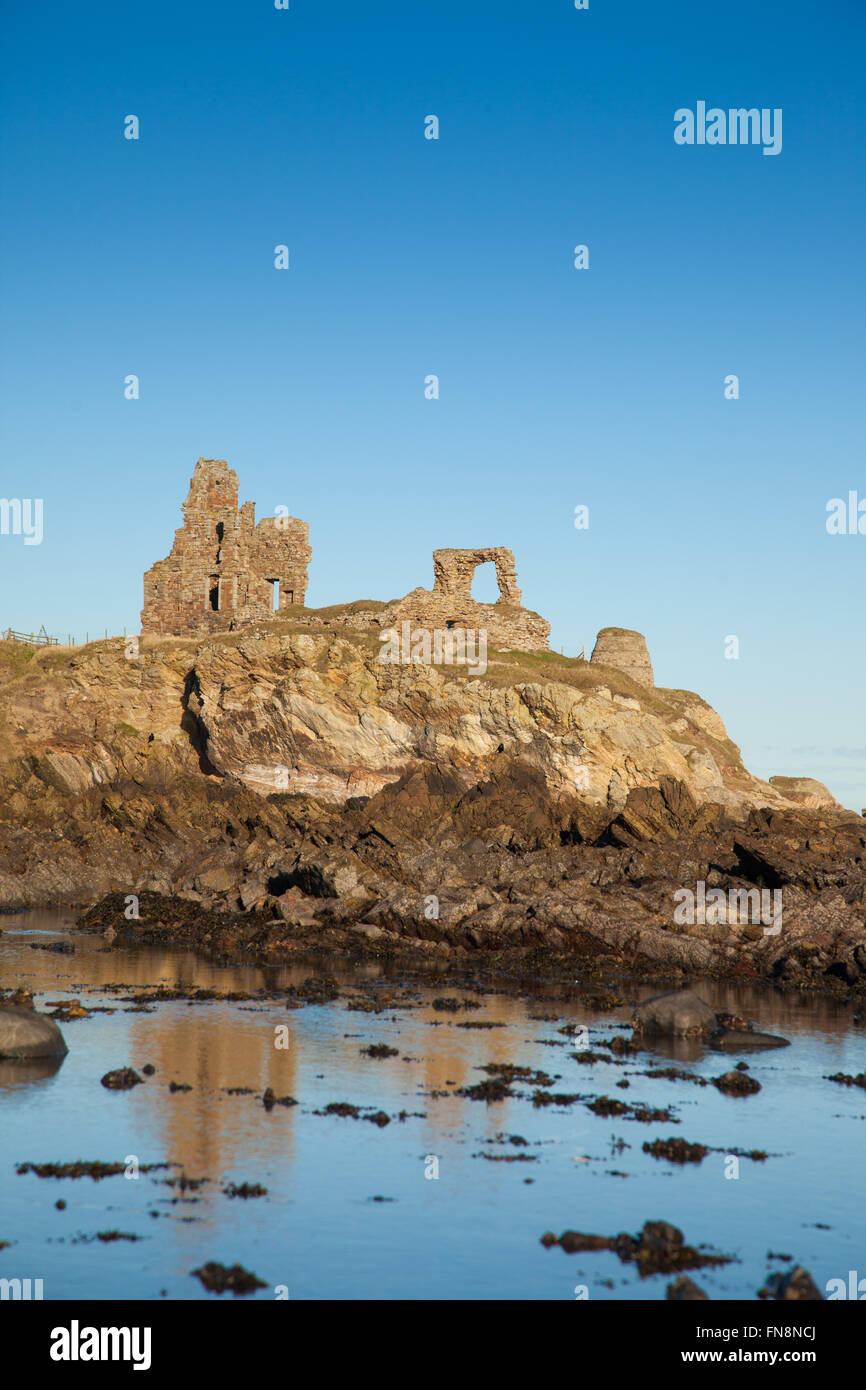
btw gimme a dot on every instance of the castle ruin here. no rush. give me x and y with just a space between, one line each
449 604
224 569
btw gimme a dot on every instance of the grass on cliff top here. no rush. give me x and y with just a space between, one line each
15 657
509 667
18 659
337 610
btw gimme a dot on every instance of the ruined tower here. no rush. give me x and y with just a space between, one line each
223 568
627 650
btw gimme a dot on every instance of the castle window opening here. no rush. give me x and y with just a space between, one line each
214 593
276 591
485 586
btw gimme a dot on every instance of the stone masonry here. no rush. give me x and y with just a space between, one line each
223 567
627 651
449 604
453 571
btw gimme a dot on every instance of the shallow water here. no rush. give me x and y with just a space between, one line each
474 1231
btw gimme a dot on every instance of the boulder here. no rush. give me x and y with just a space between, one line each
680 1013
737 1083
121 1080
26 1034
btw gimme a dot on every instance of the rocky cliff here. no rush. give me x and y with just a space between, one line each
288 771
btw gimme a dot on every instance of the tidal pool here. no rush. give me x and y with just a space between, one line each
352 1208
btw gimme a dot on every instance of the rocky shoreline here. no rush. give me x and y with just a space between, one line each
425 815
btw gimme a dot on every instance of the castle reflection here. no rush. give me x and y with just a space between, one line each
218 1045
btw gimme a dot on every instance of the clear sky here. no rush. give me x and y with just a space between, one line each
409 257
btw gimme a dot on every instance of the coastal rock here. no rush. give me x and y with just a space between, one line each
680 1013
796 1285
27 1035
806 791
122 1079
218 1278
527 810
659 1248
737 1083
685 1290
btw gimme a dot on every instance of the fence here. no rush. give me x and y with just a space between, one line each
32 639
42 639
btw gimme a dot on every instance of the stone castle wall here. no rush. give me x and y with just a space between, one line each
449 604
453 571
223 567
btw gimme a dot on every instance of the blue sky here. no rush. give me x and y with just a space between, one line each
408 257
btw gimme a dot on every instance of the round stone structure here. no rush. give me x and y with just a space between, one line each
626 650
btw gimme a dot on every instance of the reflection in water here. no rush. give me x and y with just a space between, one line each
199 1045
22 1073
318 1230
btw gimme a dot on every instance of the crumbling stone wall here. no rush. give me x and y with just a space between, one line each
453 571
450 604
222 567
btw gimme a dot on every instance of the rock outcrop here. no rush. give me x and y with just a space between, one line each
288 780
794 1285
805 791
